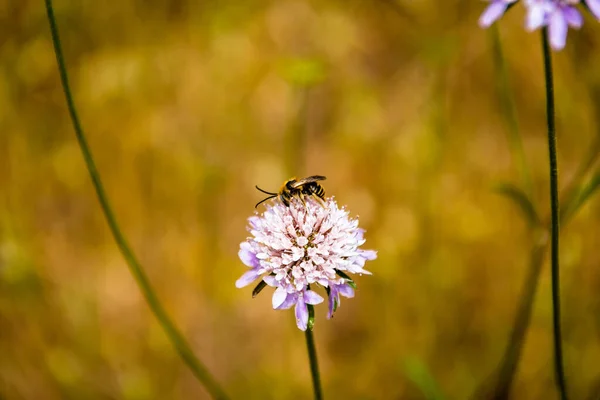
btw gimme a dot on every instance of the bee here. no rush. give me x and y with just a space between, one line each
298 188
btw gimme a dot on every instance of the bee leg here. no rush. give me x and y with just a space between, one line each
302 200
320 200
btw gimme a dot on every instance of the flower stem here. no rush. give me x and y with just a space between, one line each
314 366
176 338
554 208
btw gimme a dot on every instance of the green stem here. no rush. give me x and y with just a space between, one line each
176 338
314 366
554 208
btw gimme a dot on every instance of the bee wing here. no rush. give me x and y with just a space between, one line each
313 178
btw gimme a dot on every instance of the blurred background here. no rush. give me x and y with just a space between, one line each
187 105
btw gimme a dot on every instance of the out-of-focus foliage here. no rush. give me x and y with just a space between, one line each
188 104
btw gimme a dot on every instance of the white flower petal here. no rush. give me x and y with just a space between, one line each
346 291
247 278
558 30
369 254
270 280
246 254
492 13
311 297
536 16
301 315
279 297
289 302
594 6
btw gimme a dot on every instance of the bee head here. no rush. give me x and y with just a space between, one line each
288 184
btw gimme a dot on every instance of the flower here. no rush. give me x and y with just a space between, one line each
557 15
297 248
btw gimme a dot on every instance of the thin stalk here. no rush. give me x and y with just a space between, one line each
498 386
314 366
554 217
177 340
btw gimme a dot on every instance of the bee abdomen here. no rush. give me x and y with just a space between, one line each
320 191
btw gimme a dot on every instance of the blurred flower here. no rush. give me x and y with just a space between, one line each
557 15
495 10
301 245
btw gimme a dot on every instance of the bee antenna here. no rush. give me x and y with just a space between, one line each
265 192
262 201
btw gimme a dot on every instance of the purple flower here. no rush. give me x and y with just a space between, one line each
557 15
304 246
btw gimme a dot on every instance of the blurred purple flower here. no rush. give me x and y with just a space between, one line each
557 15
494 11
295 247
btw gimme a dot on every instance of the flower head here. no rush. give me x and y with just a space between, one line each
298 248
557 15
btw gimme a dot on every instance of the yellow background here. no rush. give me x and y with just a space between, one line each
187 105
